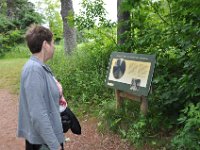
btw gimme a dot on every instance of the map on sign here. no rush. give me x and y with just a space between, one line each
131 72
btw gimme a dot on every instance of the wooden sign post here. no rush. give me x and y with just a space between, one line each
120 95
130 75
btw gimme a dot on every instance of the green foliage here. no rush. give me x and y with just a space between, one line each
15 36
24 14
28 18
109 116
188 136
9 39
3 7
5 24
169 29
83 73
18 51
12 29
129 123
137 131
93 13
56 27
54 18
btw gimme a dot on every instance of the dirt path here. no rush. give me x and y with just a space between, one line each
8 122
89 140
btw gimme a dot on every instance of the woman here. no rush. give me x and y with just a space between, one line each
39 121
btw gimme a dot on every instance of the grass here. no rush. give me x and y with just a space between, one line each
10 73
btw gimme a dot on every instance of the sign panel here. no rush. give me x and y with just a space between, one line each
131 72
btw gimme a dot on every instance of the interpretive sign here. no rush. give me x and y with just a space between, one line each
131 72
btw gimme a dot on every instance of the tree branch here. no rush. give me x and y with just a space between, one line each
156 11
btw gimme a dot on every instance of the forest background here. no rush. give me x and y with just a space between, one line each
168 28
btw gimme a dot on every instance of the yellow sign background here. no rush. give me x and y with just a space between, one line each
134 70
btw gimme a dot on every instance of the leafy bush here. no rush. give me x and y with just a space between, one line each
16 36
83 73
18 51
5 24
188 137
9 40
137 131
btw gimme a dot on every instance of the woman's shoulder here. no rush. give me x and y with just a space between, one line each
32 66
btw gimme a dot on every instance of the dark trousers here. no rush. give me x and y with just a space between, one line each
30 146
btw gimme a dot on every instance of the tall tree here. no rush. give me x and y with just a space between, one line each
10 8
124 26
67 12
21 13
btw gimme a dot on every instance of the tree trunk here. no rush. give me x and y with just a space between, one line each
68 31
10 9
123 27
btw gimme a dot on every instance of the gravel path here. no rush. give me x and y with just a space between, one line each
89 140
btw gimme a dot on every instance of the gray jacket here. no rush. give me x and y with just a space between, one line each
39 119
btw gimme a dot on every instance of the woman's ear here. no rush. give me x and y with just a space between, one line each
44 44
